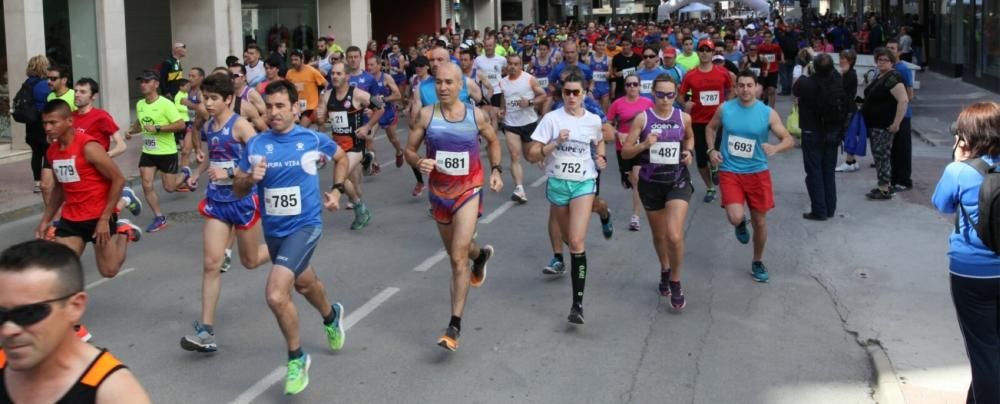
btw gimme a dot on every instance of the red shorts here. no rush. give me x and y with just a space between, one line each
444 209
753 189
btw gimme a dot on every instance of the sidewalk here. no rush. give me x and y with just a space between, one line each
938 103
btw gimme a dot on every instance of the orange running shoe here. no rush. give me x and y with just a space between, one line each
449 340
479 266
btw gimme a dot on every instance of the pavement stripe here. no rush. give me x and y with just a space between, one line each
278 373
539 181
431 261
103 280
497 212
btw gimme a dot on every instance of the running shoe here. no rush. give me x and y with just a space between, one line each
742 232
519 197
37 189
677 296
901 188
376 168
576 314
633 223
449 340
710 195
133 204
417 189
846 167
879 195
159 223
479 266
187 174
201 341
555 267
361 218
399 159
664 287
227 261
759 272
607 227
130 230
335 331
712 169
297 377
82 333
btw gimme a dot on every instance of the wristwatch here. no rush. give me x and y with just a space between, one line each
339 187
229 172
157 127
498 168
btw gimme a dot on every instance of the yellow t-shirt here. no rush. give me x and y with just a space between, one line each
183 109
160 112
68 96
307 82
688 62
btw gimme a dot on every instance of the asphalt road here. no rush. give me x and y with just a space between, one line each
788 341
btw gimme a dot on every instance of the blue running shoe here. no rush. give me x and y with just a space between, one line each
159 223
710 195
759 272
607 227
555 267
133 204
742 232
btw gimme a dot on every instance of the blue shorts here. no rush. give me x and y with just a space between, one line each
243 213
560 192
601 90
389 117
294 250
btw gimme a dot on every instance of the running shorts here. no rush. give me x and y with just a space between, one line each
560 192
753 189
295 250
243 213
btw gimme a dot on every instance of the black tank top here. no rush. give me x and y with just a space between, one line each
345 119
85 389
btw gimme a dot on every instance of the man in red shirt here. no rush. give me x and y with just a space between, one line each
88 186
709 86
773 57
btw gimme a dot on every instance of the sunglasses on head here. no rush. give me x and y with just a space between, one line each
575 93
631 84
661 94
30 314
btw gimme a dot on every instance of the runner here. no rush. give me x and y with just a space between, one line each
95 121
466 60
669 60
661 140
493 66
569 140
755 63
623 65
451 129
272 68
385 87
620 115
773 58
255 71
247 102
157 120
521 93
649 71
600 63
344 105
361 79
708 85
307 81
746 123
196 111
225 215
183 137
42 284
421 69
282 162
688 59
59 83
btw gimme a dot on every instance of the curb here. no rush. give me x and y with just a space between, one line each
21 212
887 390
923 137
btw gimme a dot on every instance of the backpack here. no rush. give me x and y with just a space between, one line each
833 105
988 227
23 107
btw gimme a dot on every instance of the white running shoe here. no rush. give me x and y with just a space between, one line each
847 168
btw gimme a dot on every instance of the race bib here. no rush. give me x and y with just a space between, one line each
223 165
756 71
149 142
492 77
543 82
709 98
303 105
646 86
628 72
452 163
667 153
769 58
338 119
513 105
741 146
285 201
569 168
600 76
66 170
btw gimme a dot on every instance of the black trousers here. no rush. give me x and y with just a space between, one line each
35 137
820 159
977 304
902 155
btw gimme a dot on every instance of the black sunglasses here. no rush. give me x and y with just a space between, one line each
650 56
631 84
30 314
575 93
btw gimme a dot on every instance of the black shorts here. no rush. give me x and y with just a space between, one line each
84 230
701 143
496 100
166 163
654 196
625 167
524 132
771 80
46 163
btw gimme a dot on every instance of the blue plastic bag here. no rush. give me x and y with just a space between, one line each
856 139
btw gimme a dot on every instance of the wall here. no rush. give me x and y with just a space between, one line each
351 20
204 26
111 55
147 33
25 37
483 14
420 17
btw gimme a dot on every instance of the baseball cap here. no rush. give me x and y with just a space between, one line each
179 45
718 57
148 75
669 52
706 43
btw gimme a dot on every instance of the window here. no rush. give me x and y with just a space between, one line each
511 11
597 4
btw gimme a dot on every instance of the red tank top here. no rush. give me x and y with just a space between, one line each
85 190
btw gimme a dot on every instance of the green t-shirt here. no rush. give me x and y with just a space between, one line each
688 62
67 96
161 112
183 109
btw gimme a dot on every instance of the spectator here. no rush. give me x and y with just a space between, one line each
37 71
884 108
281 53
818 95
974 268
876 38
905 45
850 80
171 70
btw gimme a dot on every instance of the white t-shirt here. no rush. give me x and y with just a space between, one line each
574 159
492 68
513 92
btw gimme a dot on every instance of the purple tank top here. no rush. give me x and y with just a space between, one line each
671 130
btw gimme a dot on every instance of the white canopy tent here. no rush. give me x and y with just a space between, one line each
666 8
695 8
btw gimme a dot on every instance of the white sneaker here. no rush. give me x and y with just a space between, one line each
847 168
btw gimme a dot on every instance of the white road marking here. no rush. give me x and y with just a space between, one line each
496 213
103 280
539 181
278 373
431 261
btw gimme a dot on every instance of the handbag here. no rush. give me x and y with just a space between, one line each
856 138
792 123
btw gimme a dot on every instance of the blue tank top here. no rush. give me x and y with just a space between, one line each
364 81
671 131
428 95
544 70
384 90
744 130
224 151
600 66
